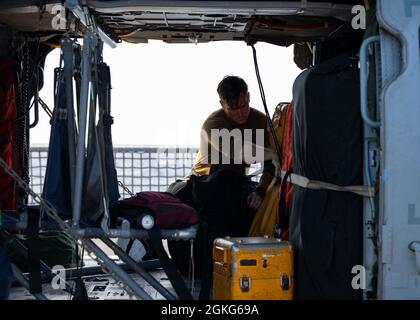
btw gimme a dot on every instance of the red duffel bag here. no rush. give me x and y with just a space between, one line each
167 210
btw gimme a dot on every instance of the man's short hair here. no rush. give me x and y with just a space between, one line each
230 88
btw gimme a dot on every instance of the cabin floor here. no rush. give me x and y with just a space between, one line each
104 287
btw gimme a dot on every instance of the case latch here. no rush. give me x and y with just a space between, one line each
285 282
245 284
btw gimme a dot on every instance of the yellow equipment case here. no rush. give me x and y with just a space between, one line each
252 268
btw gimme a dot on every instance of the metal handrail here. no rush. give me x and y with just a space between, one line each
364 82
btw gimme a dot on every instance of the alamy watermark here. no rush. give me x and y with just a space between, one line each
58 281
59 21
358 21
359 280
227 146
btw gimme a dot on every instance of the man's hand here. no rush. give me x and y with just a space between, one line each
277 165
273 156
254 200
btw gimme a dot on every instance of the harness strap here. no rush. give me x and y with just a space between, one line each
301 181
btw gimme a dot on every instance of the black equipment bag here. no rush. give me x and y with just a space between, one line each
100 172
57 189
326 226
220 199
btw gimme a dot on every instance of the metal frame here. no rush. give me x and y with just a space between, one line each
137 268
364 82
10 222
80 153
23 280
399 217
92 52
370 166
46 270
92 48
302 7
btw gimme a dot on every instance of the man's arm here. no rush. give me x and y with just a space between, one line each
272 168
267 176
256 197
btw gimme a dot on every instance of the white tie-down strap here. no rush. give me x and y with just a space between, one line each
304 182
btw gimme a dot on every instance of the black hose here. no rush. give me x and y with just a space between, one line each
36 101
260 85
